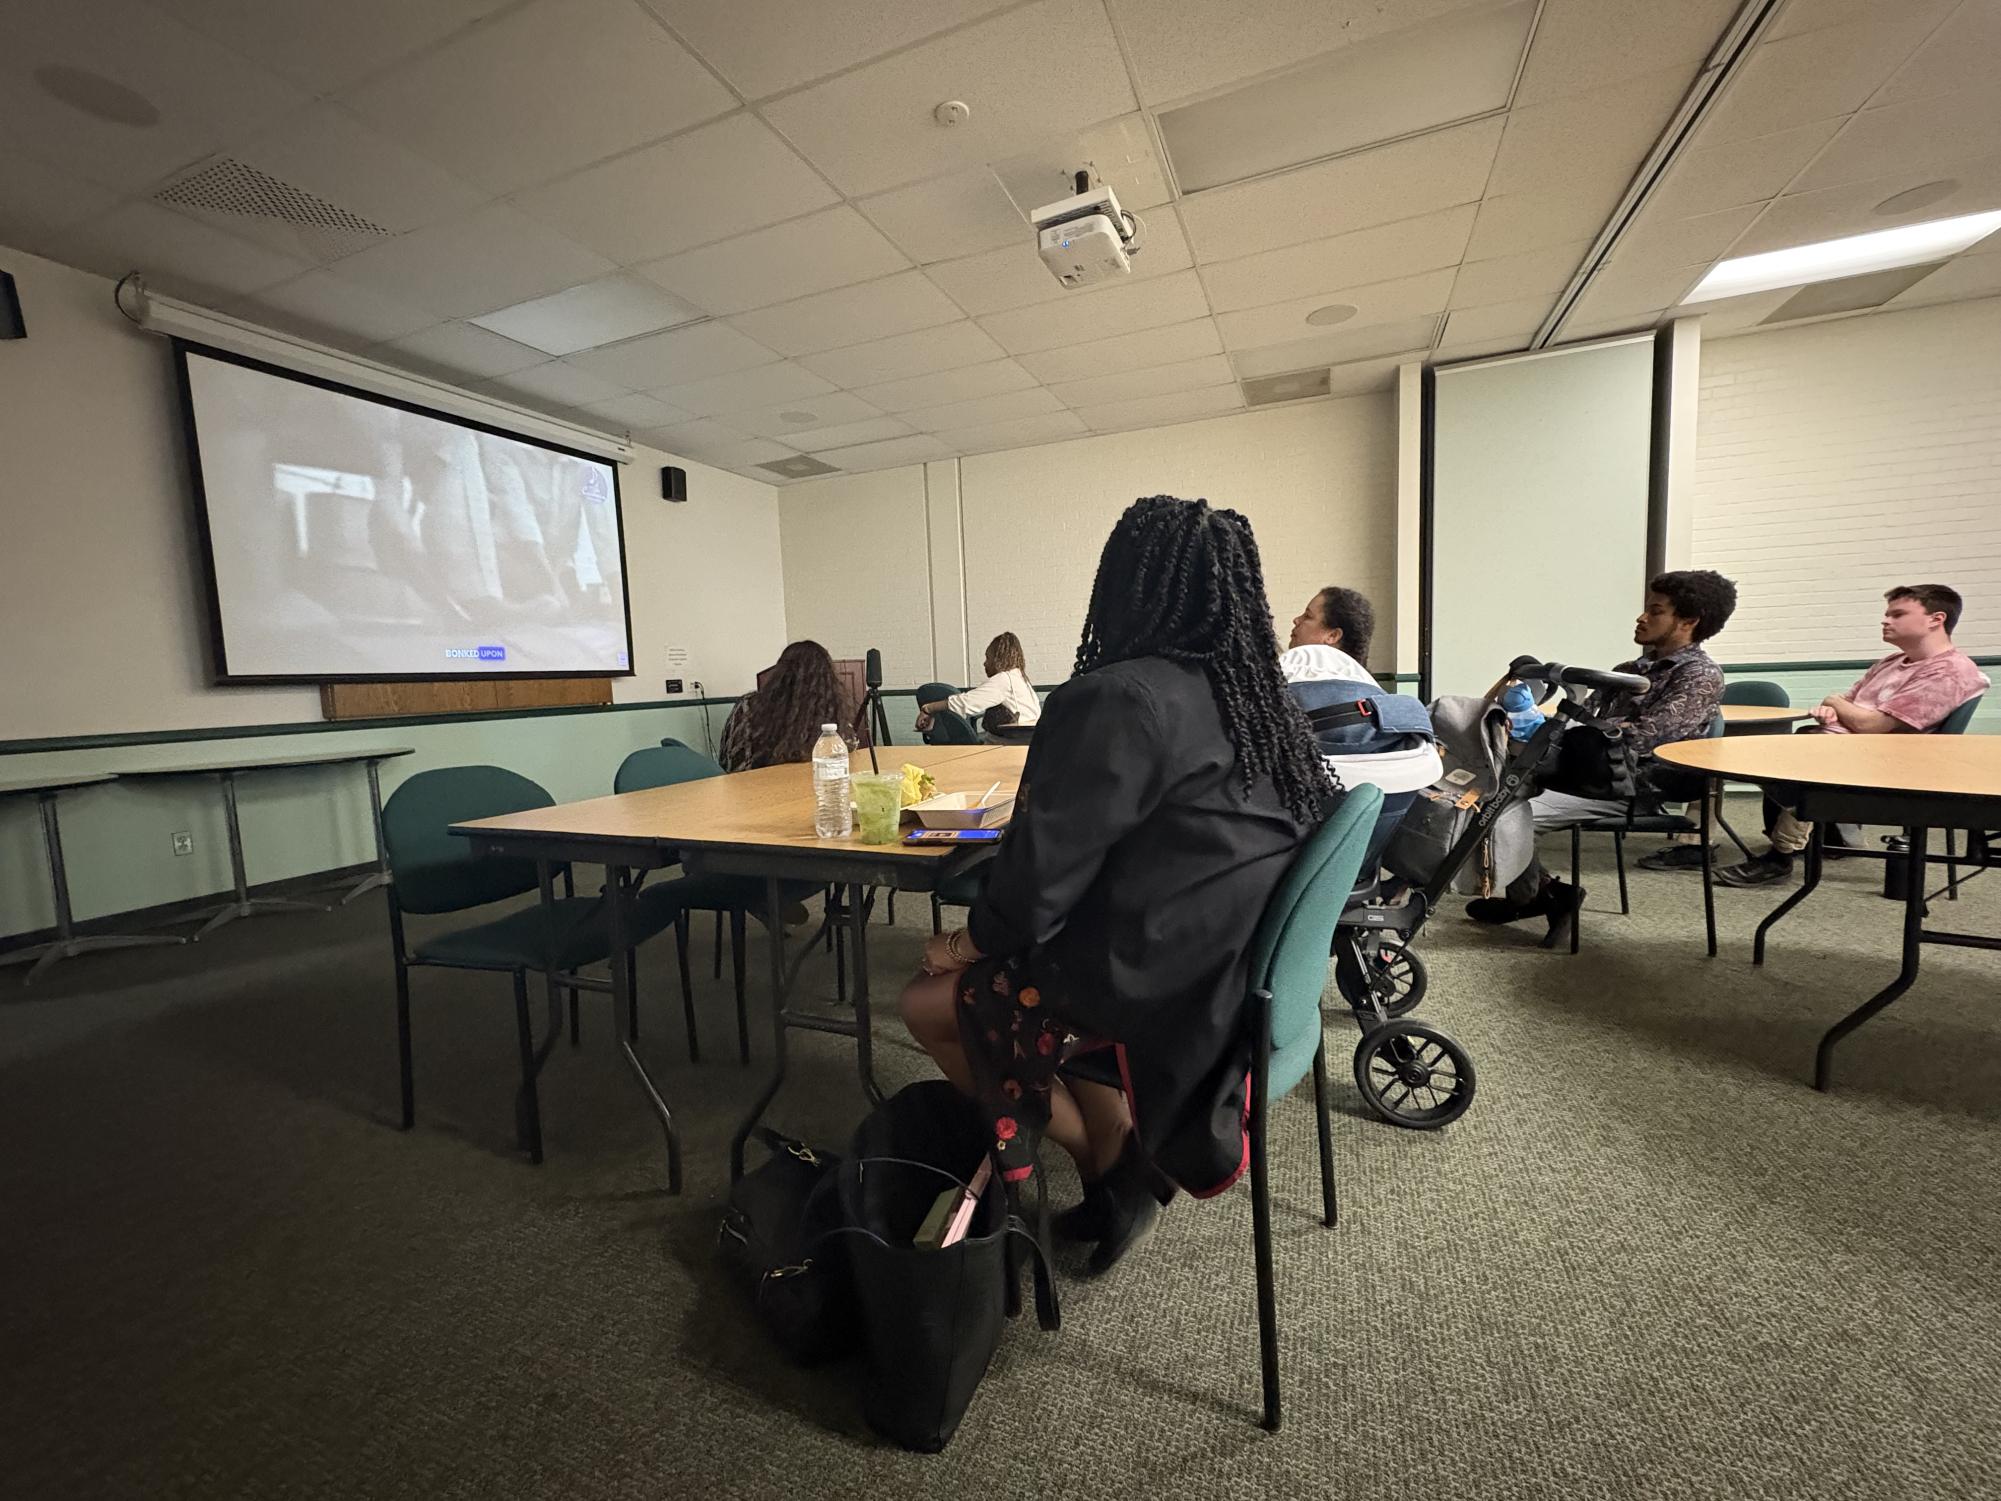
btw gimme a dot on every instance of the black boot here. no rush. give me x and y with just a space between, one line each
1559 901
1088 1220
1133 1193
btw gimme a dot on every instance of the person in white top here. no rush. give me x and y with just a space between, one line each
1330 639
1005 698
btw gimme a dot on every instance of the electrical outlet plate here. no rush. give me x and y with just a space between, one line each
674 685
184 844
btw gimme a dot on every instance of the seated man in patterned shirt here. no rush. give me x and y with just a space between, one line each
1683 610
1909 692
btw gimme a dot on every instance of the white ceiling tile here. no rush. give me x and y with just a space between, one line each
709 184
1850 209
891 453
1119 153
326 47
1361 376
1131 385
1381 253
471 265
1711 178
204 94
557 382
747 457
1034 72
37 200
1154 346
1516 222
945 347
1398 181
1575 332
1155 411
849 435
790 420
1534 273
986 410
635 413
849 315
1595 139
1916 139
834 248
950 216
677 357
454 350
1797 16
1731 314
320 304
179 256
1959 55
1183 47
768 47
1657 244
922 391
1049 427
1587 44
1100 315
1337 347
1614 291
1817 74
598 312
1477 349
701 438
1964 276
1015 276
746 390
1398 301
543 90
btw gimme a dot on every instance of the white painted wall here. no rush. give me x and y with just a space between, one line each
1317 481
1839 459
99 569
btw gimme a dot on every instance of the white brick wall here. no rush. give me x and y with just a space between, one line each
1839 459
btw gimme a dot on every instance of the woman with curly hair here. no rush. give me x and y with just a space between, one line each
780 720
1167 788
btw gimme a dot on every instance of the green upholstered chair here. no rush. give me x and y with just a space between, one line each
1757 694
433 871
947 726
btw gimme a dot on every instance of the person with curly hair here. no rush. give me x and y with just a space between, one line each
1005 698
1169 784
778 722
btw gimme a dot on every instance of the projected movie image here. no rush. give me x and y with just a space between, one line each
351 538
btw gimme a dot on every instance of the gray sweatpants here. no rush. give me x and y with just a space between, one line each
1559 810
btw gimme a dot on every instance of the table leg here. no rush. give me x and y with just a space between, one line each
1914 923
245 904
379 877
1709 796
1813 867
66 945
775 930
625 993
858 914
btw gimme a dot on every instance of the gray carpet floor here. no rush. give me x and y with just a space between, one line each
1649 1262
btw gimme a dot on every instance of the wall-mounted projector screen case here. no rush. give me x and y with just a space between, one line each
1539 494
354 537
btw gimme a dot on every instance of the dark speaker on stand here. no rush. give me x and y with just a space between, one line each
673 484
12 325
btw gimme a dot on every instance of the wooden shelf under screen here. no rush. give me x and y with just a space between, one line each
458 696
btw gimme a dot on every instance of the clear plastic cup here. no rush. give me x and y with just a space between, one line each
878 805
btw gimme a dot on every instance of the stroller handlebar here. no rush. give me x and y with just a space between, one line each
1528 670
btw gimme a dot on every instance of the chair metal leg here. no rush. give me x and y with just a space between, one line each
1576 861
556 1002
1261 1220
681 941
531 1102
738 925
937 915
1330 1209
1708 877
405 1073
891 919
1619 855
1952 865
841 961
719 946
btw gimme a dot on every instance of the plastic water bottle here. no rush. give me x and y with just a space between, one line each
1524 719
832 813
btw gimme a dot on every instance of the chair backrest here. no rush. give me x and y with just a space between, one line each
1289 953
662 766
947 727
437 871
1956 722
1764 695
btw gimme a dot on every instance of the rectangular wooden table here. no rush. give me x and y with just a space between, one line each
752 823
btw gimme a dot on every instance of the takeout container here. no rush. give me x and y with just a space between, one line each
958 810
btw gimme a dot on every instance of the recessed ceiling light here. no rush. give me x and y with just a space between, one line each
1908 245
96 95
1924 195
1334 312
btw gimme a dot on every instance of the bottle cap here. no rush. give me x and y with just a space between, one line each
830 729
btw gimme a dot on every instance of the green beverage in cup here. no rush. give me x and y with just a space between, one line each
878 805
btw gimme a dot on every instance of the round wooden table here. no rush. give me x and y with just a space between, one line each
1761 719
1921 782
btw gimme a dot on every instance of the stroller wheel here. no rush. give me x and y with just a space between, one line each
1414 1075
1379 970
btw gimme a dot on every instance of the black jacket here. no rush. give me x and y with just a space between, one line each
1134 874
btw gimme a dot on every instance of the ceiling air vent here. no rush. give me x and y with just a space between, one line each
805 466
1849 294
234 190
1294 386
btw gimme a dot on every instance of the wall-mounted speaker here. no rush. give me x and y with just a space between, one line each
12 326
673 484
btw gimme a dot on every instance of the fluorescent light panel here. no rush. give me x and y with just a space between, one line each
1880 250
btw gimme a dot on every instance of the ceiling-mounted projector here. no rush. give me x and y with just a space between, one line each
1086 237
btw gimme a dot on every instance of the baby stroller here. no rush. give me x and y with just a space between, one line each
1409 1073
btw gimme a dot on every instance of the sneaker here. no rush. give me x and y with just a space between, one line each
1674 857
1759 870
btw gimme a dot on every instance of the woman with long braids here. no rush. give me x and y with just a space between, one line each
779 721
1166 790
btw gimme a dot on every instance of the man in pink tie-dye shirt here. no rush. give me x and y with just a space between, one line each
1910 691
